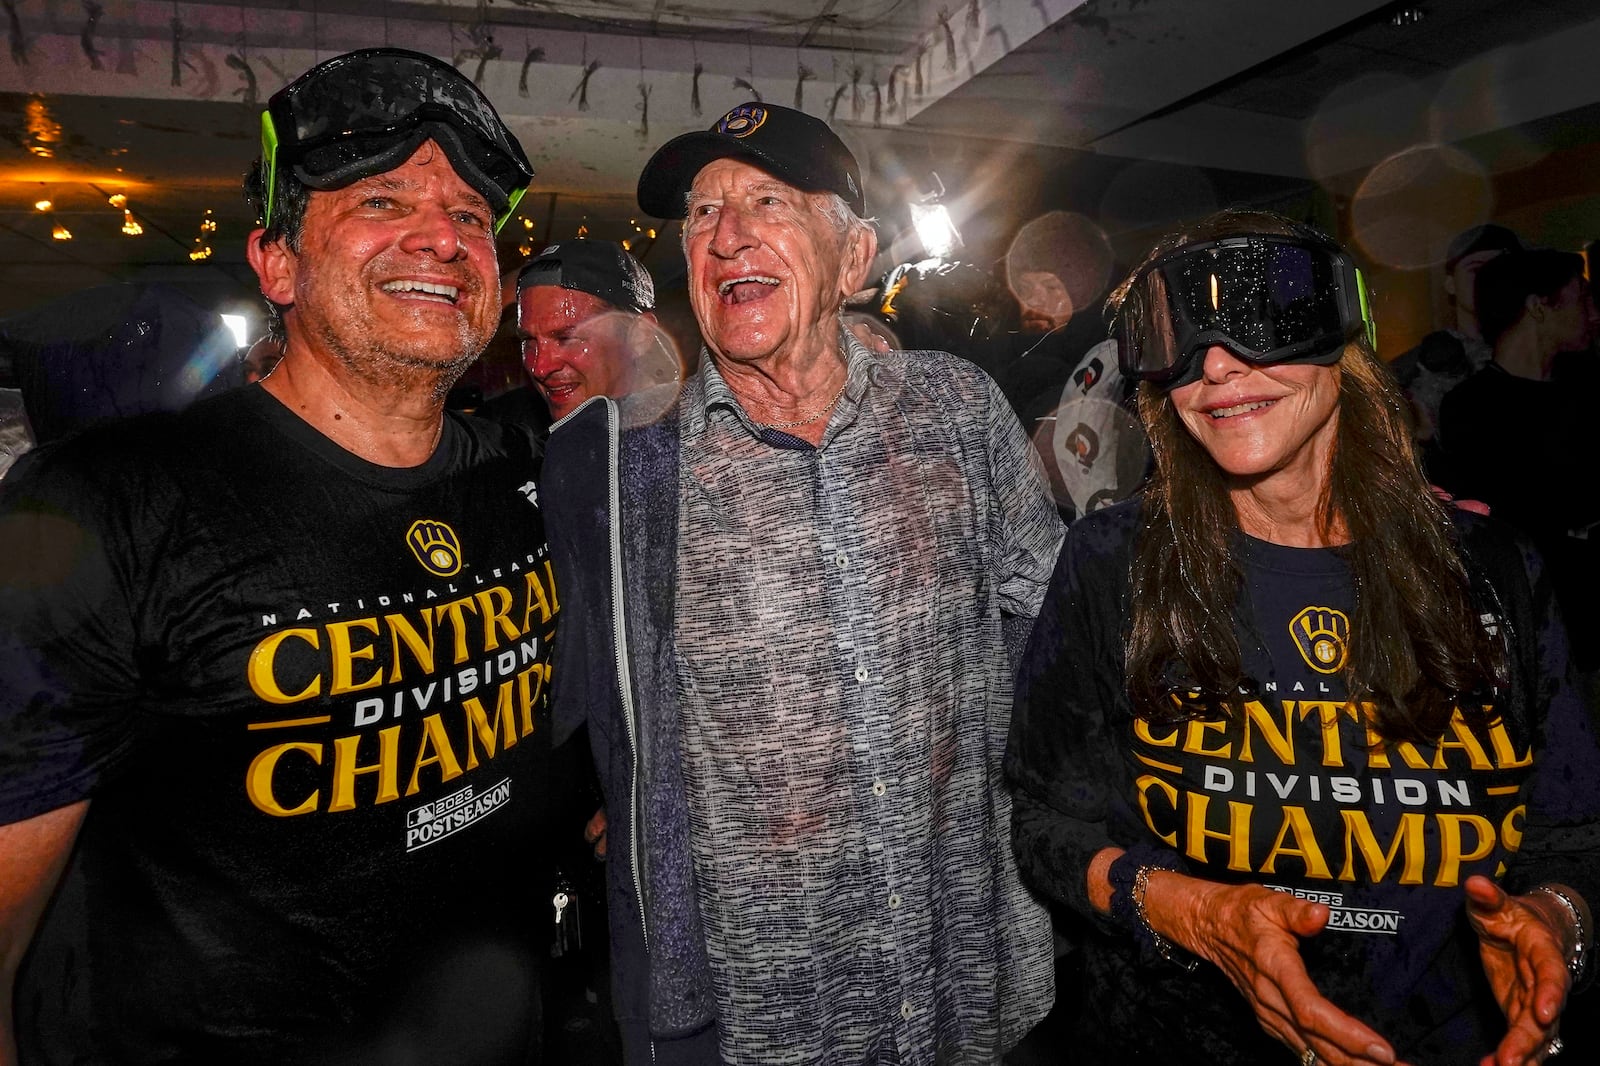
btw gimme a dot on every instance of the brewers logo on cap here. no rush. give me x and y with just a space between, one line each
436 546
743 120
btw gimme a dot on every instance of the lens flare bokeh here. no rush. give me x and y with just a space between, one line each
1409 206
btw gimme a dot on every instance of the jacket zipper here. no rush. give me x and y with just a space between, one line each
619 636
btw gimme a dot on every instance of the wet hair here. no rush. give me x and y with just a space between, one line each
289 201
1416 649
1506 281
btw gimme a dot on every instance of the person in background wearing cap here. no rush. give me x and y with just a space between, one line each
580 306
788 603
272 669
1447 357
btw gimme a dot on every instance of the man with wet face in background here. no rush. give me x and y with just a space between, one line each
788 615
272 670
587 326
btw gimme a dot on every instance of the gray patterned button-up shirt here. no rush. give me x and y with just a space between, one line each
845 697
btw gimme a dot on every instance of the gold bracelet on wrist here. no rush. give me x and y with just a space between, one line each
1141 881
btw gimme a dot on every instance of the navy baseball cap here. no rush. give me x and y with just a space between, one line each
790 145
599 268
1488 237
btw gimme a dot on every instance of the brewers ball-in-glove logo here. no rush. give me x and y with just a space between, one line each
1322 635
436 547
743 120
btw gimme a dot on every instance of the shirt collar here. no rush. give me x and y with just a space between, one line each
709 390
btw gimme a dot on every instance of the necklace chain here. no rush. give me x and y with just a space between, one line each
813 416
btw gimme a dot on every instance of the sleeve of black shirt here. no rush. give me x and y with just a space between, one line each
1062 754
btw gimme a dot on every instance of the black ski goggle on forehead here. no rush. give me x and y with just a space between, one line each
1266 299
365 112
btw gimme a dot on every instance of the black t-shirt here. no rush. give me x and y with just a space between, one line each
306 697
1522 446
1293 795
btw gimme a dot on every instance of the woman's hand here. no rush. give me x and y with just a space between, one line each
1252 934
1524 942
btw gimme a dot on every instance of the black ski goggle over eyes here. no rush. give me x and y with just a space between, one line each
365 112
1266 299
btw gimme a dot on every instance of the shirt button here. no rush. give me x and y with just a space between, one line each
879 788
894 900
861 674
906 1010
842 559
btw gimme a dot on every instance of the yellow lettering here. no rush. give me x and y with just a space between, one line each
1141 729
1359 839
1505 756
458 624
495 606
492 734
528 693
264 683
345 769
433 736
1451 853
1378 752
420 644
1281 741
1511 827
1237 835
539 599
1194 740
1296 822
1477 758
344 656
1327 712
258 779
1144 784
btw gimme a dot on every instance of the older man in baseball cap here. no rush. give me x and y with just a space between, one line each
271 669
786 619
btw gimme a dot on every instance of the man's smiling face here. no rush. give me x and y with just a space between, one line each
574 346
396 272
768 267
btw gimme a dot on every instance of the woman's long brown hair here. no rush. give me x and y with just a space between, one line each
1416 648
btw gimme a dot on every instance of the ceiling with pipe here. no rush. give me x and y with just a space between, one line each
158 102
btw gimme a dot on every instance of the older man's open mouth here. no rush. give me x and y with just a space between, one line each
747 288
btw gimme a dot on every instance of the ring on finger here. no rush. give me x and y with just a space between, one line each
1308 1057
1554 1048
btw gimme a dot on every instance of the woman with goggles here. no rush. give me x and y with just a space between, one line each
1297 742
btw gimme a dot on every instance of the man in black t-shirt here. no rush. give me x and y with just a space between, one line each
1514 433
273 670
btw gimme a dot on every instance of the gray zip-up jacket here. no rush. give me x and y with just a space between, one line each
611 504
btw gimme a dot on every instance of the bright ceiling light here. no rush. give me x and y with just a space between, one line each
236 325
935 230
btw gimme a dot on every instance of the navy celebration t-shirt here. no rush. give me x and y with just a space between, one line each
1296 794
305 696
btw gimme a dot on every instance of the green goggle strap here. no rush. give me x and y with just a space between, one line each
1368 321
269 156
